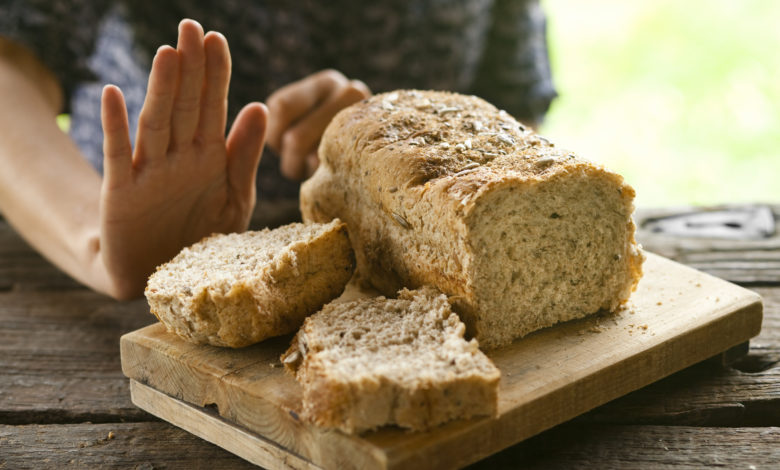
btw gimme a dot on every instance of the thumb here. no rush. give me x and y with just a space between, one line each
244 146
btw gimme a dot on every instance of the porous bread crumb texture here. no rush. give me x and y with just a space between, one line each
444 189
560 253
237 289
404 362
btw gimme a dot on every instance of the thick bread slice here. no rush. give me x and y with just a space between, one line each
237 289
446 190
374 362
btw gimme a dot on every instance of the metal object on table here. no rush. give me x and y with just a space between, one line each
736 223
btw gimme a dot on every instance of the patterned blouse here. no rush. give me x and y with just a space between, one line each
495 49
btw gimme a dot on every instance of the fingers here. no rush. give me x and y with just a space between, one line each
192 60
213 114
117 151
300 112
244 147
302 139
292 101
154 123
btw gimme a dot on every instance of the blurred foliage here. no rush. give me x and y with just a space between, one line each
681 97
63 122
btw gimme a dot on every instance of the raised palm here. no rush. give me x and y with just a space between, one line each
184 180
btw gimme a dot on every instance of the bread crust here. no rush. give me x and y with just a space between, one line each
412 379
413 174
268 300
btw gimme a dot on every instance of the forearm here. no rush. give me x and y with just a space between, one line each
48 192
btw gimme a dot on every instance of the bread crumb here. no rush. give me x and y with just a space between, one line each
231 268
348 342
659 303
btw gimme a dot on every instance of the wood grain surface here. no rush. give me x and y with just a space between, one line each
677 317
50 416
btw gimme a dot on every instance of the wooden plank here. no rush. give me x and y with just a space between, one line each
677 317
159 445
703 395
770 332
746 393
247 386
569 446
574 446
142 446
745 261
59 356
22 268
210 426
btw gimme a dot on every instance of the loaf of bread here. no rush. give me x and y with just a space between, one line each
237 289
443 189
374 362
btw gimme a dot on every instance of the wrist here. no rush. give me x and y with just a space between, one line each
106 279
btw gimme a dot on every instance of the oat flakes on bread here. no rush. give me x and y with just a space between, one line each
374 362
237 289
444 189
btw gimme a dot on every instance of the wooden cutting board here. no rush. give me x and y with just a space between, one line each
243 400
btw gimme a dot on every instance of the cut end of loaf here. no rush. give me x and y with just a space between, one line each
549 252
237 289
404 362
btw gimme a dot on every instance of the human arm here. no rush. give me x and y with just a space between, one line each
183 180
48 192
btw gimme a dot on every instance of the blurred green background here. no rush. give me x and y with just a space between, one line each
681 97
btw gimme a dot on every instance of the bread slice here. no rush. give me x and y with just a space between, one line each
237 289
444 189
374 362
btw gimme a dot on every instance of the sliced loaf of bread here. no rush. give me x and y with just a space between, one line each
237 289
374 362
444 189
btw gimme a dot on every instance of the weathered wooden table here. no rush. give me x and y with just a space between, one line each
64 402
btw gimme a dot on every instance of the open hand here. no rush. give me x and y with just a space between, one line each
184 180
300 112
